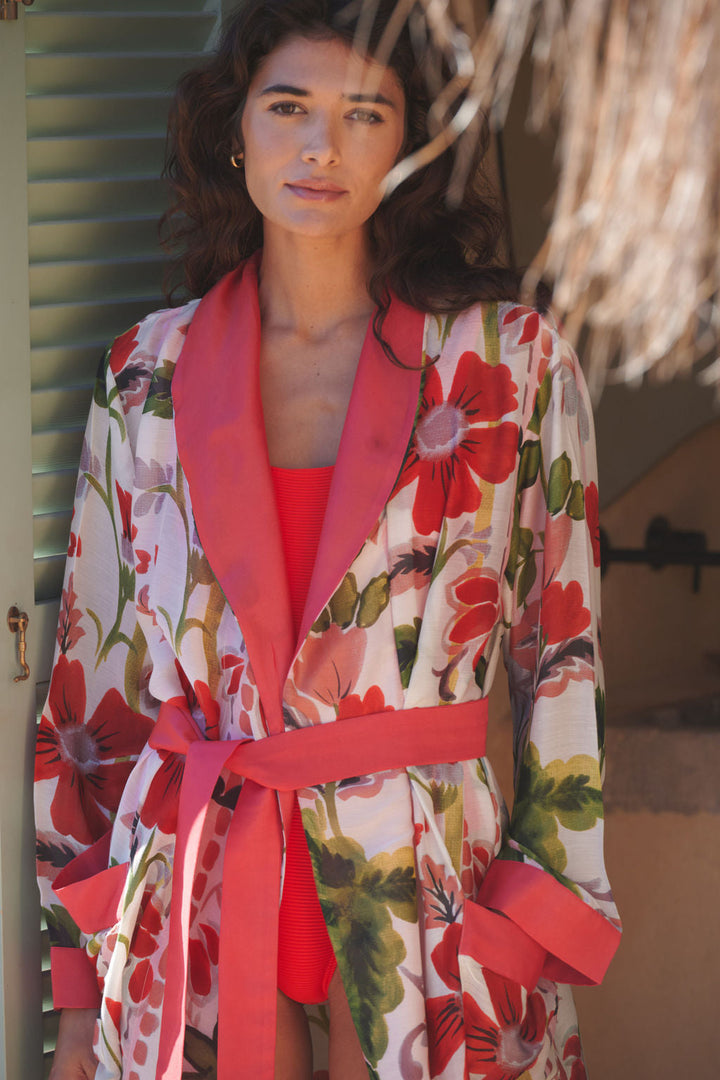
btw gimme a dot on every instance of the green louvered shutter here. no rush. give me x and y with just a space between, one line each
99 79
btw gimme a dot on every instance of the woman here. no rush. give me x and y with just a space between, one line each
216 672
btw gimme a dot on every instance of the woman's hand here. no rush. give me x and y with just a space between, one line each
74 1058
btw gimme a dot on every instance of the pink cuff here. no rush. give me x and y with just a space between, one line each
581 942
499 944
74 984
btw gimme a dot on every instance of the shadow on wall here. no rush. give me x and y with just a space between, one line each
655 1016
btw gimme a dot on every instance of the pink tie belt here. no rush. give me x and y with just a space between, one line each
305 757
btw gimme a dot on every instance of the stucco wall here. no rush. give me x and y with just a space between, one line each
655 1016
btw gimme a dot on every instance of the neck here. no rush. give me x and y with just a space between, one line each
307 286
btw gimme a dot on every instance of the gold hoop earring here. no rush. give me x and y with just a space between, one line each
236 160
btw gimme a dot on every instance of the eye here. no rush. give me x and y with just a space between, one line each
367 116
286 108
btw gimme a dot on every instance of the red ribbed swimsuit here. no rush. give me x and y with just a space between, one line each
306 961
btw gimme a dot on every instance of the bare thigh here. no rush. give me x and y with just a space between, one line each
346 1057
293 1046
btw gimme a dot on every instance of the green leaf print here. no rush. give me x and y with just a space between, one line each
344 601
159 399
406 645
521 543
530 457
373 600
358 897
100 386
527 577
62 930
481 671
200 1051
576 502
559 483
542 401
133 668
562 792
322 623
491 335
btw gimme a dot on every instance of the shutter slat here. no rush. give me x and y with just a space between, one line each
94 156
53 450
72 363
52 240
132 31
51 532
54 491
61 408
122 5
106 72
102 319
97 279
105 197
77 114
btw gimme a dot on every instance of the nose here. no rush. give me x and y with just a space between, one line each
321 144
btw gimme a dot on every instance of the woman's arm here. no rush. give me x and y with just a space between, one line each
73 1058
95 720
549 880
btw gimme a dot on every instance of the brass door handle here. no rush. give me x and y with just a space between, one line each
17 621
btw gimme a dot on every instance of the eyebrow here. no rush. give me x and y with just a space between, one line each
356 99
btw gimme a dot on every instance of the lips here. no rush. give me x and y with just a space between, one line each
317 185
316 190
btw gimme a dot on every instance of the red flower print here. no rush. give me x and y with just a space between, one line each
354 705
592 517
475 596
74 546
534 329
68 631
122 347
143 561
452 446
533 325
562 613
199 967
160 806
440 892
445 1014
329 665
114 1011
129 531
476 857
141 981
503 1047
145 941
92 759
236 664
573 1049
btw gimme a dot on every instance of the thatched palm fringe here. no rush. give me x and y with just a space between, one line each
633 248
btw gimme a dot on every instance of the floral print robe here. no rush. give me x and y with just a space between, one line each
462 523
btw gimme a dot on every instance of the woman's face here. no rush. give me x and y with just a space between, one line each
321 128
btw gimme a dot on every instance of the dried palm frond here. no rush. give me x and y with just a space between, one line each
633 247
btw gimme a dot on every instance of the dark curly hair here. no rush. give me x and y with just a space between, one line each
434 256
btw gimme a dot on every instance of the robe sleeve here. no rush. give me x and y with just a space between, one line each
98 713
547 893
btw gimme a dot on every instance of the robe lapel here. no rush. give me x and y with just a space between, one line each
222 447
377 430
